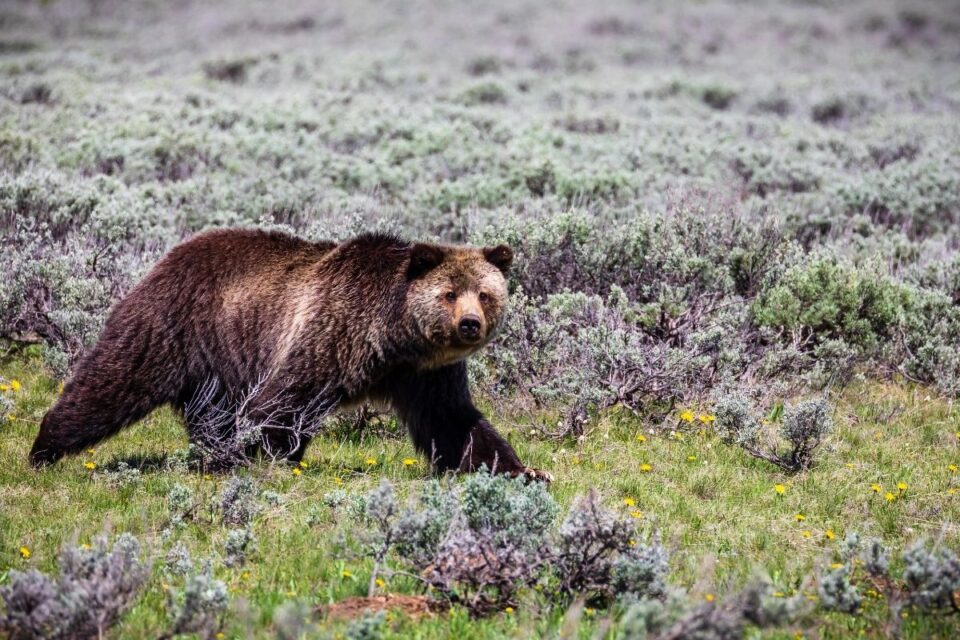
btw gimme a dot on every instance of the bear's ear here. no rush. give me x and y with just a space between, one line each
500 256
423 258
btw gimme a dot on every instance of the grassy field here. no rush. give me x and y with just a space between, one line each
716 508
704 197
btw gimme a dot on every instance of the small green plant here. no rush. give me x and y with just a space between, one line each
804 428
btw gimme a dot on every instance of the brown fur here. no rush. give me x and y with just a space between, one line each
316 324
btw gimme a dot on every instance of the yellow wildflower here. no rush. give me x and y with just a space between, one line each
646 467
706 418
780 489
297 471
381 583
25 552
221 635
889 497
952 468
304 464
589 611
902 486
4 387
692 458
800 517
371 461
708 597
837 565
338 480
15 385
829 534
90 465
409 462
636 514
876 487
91 451
778 594
641 437
807 534
686 416
629 502
508 610
346 574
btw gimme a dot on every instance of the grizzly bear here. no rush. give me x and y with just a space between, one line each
293 330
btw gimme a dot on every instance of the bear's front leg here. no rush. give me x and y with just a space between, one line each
436 406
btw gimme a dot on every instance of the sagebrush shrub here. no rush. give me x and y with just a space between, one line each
96 586
804 427
200 606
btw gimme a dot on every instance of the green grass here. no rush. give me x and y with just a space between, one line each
715 507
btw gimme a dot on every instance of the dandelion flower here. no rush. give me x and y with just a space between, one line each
221 635
381 583
90 465
708 597
692 458
346 574
590 611
15 385
409 462
629 502
829 534
807 534
780 489
25 552
91 451
902 486
849 465
297 471
837 565
636 514
304 464
508 610
800 517
641 437
338 480
876 488
646 467
686 416
4 387
706 418
952 468
371 461
889 497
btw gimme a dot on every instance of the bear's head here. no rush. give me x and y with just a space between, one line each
457 297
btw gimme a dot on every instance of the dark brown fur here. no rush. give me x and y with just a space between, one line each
317 324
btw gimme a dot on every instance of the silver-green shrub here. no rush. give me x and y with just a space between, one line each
93 590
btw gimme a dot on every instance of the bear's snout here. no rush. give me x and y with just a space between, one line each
470 327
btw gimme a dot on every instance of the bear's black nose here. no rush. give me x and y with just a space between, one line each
469 328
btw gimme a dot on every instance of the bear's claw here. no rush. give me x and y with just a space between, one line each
538 475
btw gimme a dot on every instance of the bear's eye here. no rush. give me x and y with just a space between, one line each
483 296
450 296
